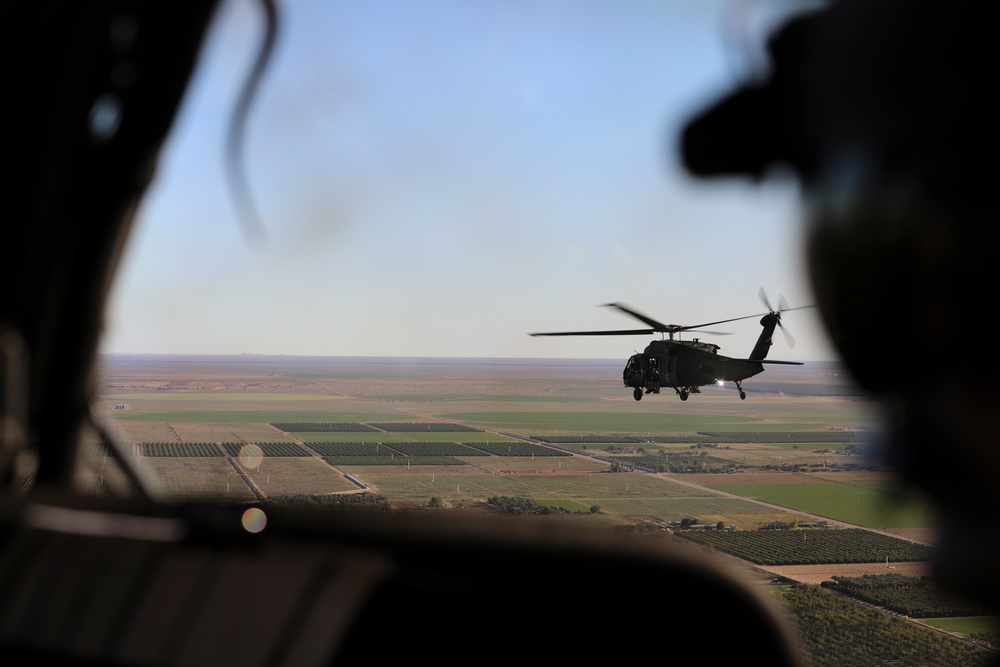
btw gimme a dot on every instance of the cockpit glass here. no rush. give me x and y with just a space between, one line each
435 182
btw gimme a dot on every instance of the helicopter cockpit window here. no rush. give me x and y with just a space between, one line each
432 183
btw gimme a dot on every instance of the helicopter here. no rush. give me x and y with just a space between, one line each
687 365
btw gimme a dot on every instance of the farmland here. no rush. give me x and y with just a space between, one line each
786 547
837 632
561 435
560 432
463 429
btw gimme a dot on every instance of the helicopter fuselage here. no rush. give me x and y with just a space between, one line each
684 366
687 365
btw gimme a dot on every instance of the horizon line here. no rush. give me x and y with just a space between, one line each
375 356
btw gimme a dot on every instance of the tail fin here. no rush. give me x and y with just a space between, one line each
769 322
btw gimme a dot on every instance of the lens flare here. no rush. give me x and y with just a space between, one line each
254 520
251 455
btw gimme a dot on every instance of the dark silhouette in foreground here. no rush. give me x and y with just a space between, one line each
886 111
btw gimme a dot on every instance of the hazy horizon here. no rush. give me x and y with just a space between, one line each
266 355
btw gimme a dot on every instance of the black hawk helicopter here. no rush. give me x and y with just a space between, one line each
687 365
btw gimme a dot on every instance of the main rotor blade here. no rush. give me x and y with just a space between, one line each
657 326
708 324
660 327
746 317
711 333
617 332
673 328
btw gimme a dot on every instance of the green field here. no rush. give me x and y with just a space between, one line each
872 504
967 625
730 511
568 505
812 546
809 446
472 484
606 422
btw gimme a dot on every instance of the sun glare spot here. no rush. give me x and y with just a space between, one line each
251 456
254 520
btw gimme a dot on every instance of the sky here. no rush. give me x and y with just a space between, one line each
442 178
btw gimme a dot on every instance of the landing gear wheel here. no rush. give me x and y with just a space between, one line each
684 395
743 396
637 394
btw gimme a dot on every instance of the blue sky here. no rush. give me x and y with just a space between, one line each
440 178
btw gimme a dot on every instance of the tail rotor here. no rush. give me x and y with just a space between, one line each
782 306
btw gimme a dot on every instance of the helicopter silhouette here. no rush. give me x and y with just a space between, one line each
687 365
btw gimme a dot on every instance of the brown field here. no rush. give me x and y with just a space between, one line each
756 478
762 455
188 478
922 535
817 574
291 476
858 476
554 465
